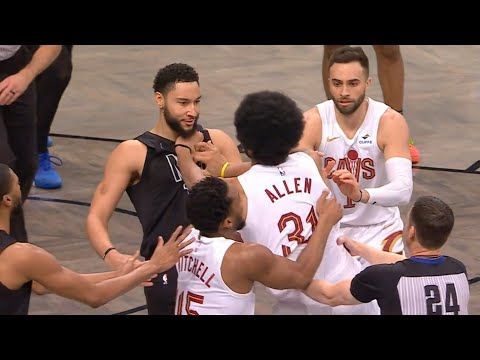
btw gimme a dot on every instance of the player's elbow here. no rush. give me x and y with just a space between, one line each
320 292
399 190
336 301
94 218
94 300
302 281
329 297
39 289
330 294
296 280
93 223
95 304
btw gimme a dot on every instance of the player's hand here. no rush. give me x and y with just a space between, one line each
167 255
328 209
133 263
190 141
208 154
352 246
327 170
130 264
317 157
347 183
116 260
13 86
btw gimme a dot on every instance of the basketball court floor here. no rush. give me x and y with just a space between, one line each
110 98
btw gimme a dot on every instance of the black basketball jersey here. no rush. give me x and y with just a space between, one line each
13 302
160 196
415 286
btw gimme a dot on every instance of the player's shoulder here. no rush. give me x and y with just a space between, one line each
22 253
303 155
217 135
128 155
129 149
391 116
392 123
250 254
460 266
313 129
381 272
213 130
312 115
129 145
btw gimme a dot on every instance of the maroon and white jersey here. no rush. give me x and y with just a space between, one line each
200 286
362 157
281 203
281 216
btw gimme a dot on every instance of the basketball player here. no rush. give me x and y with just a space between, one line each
281 188
369 143
24 266
146 168
217 278
427 283
391 75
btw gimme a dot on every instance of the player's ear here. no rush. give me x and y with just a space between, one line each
227 223
249 153
7 199
159 99
368 82
411 232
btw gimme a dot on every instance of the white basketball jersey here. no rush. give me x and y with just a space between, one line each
281 213
200 288
362 157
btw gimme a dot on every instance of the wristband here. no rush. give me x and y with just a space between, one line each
185 146
107 251
224 167
361 195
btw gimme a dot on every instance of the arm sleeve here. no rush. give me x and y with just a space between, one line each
399 189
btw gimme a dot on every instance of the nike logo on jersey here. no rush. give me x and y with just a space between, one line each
387 226
330 139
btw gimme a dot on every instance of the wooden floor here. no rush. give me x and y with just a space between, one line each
110 96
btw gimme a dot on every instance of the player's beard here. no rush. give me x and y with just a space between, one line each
352 107
240 224
174 124
16 199
17 203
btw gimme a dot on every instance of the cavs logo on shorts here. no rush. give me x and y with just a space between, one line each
388 244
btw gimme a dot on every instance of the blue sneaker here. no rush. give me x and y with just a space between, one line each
47 177
49 141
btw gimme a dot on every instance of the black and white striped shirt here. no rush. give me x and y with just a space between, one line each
415 286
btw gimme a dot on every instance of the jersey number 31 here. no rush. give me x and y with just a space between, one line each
296 234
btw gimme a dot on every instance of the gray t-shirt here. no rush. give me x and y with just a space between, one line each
7 51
